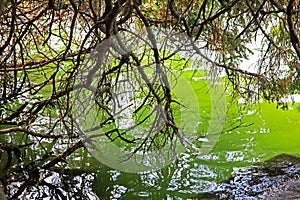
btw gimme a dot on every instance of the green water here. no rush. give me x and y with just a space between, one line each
265 132
274 131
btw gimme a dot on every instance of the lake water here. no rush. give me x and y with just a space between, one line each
265 131
273 132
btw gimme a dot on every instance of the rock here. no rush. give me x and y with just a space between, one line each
282 164
275 179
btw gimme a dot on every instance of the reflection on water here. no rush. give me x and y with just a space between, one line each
85 178
191 175
188 177
184 179
44 184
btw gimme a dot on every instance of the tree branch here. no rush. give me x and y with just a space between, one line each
293 33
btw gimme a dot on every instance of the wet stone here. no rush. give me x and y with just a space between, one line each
277 179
